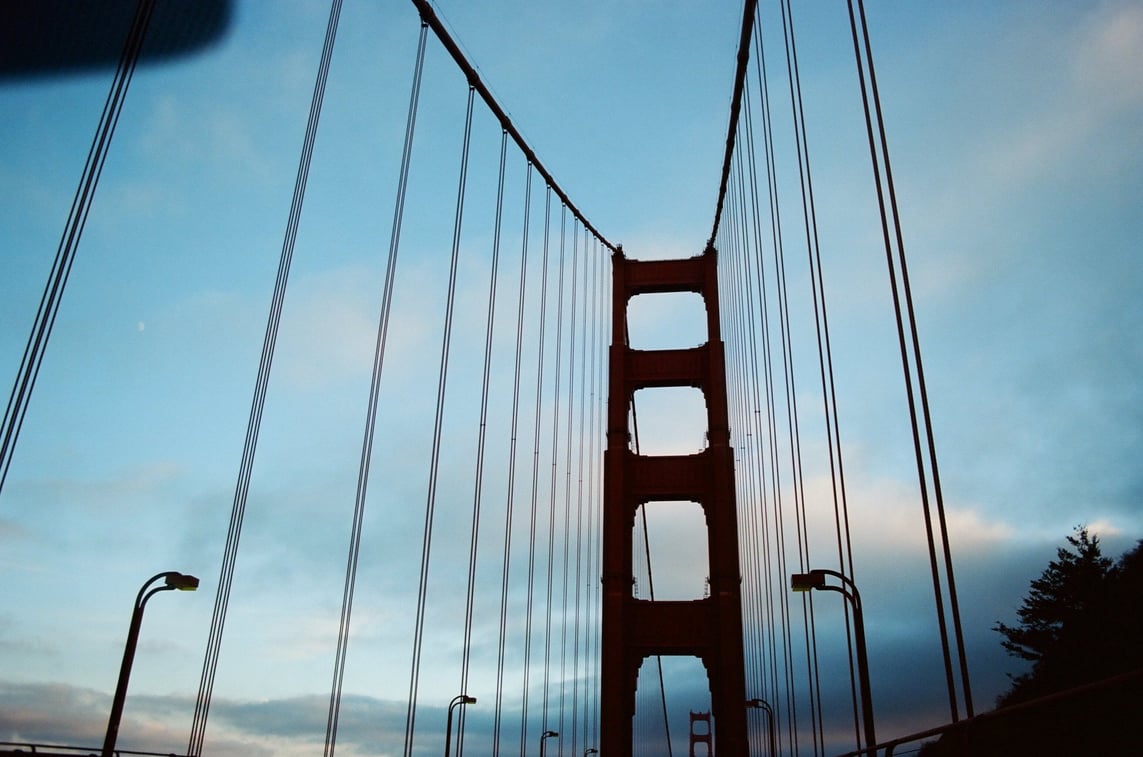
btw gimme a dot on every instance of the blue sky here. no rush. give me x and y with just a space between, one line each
1015 133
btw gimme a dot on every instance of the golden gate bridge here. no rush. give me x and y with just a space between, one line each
552 383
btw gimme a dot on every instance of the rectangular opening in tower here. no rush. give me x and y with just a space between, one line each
666 321
668 421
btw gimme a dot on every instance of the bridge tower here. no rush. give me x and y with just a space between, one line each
634 629
700 735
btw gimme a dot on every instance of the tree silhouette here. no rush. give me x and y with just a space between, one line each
1067 609
1081 627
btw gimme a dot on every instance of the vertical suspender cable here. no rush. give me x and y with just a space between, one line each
511 486
535 504
555 463
568 474
821 323
598 408
425 8
793 426
33 357
579 493
371 411
242 487
912 358
438 422
647 556
817 284
481 438
587 550
775 477
601 409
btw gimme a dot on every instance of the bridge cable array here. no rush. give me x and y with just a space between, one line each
644 566
927 469
258 403
757 329
764 405
33 356
591 241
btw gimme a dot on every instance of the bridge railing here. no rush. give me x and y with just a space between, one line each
23 749
984 728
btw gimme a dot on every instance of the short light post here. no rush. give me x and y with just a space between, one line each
762 704
171 581
816 579
459 699
547 735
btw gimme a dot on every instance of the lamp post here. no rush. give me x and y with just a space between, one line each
547 735
459 699
816 579
171 580
762 704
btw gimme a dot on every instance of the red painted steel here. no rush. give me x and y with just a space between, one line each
634 629
700 735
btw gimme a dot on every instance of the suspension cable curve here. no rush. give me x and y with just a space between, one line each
429 16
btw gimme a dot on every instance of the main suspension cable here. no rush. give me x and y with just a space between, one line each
748 12
429 16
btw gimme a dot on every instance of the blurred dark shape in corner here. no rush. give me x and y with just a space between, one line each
59 37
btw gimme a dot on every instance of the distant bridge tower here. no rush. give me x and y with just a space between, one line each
634 629
701 735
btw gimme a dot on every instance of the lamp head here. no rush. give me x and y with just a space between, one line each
756 703
468 700
549 734
815 579
181 581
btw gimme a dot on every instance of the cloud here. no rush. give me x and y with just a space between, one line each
55 713
51 713
11 530
1104 529
1105 66
330 323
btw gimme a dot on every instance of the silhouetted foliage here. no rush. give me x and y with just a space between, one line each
1080 625
1062 614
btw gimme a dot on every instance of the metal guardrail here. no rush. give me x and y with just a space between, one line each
24 749
962 726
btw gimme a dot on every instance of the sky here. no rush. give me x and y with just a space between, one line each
1015 134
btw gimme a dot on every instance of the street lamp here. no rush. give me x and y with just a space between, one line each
547 735
459 699
816 579
762 704
171 580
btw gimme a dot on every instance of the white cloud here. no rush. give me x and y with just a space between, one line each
1108 58
1104 528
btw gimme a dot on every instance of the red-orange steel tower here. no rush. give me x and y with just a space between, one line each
634 629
